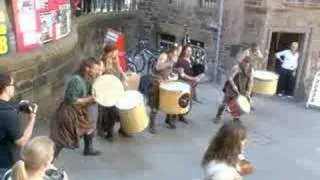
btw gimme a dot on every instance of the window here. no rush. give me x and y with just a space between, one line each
302 2
254 2
208 3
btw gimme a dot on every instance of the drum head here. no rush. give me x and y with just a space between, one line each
244 104
176 86
108 89
265 75
129 100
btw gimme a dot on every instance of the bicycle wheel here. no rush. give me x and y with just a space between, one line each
131 67
139 62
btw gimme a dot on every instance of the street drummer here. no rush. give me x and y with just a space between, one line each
163 71
108 116
186 73
72 120
239 82
256 56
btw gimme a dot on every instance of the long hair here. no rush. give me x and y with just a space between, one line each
36 154
226 145
183 51
107 58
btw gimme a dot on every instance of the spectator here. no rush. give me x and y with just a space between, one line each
36 164
222 158
10 128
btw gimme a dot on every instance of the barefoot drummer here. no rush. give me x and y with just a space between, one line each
240 82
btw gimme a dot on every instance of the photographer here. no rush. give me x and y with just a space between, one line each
11 133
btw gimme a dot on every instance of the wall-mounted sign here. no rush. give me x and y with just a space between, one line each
4 32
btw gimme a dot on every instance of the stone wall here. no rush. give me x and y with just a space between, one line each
170 16
40 75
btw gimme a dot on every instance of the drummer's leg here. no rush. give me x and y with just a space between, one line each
152 123
110 122
170 121
220 110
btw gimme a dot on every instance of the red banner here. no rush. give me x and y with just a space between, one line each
40 21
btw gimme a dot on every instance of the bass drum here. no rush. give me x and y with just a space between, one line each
238 106
174 97
132 112
108 89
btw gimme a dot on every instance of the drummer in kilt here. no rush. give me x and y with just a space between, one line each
72 120
163 71
240 82
108 116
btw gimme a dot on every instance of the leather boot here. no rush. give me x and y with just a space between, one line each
183 119
123 133
217 120
169 120
236 119
88 146
152 127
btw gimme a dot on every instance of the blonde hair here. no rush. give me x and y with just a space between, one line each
36 154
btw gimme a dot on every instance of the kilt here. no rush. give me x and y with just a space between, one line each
70 124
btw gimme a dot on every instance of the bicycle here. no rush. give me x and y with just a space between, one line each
141 60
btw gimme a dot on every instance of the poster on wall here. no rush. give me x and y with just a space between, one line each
40 21
46 27
26 24
63 20
4 34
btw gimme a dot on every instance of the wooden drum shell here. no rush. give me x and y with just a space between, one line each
266 86
169 100
134 120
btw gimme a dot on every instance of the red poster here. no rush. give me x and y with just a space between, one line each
26 24
40 21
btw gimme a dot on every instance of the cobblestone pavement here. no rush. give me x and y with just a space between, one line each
283 145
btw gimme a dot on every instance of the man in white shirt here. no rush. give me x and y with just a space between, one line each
289 63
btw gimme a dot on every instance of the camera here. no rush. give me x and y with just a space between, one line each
26 106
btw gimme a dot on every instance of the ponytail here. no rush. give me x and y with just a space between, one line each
19 171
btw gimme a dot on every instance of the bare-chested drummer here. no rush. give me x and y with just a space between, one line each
163 71
239 82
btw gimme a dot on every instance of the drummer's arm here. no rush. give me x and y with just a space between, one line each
250 84
233 73
177 54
